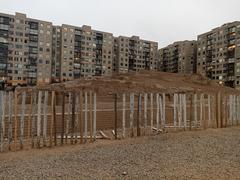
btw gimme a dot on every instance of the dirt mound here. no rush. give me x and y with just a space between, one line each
144 81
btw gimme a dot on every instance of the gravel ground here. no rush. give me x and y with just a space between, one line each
210 154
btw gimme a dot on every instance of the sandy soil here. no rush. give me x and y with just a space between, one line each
210 154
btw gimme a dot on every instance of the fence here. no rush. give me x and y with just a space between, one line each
41 118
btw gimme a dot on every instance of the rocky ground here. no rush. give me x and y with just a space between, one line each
210 154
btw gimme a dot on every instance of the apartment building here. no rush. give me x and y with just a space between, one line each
85 52
25 49
218 54
134 54
179 57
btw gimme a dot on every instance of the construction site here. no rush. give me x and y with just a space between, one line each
161 116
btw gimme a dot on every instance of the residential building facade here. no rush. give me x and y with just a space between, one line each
179 57
85 52
134 54
25 49
218 55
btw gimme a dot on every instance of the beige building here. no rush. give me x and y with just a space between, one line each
26 46
85 52
134 54
179 57
218 54
36 52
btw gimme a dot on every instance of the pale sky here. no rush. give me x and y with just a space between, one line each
164 21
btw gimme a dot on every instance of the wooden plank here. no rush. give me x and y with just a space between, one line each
52 118
175 99
195 110
10 119
80 116
209 111
15 119
45 121
90 116
94 115
180 111
234 110
73 117
201 110
145 111
86 117
164 110
1 119
63 118
132 113
139 114
68 117
192 119
204 113
30 118
34 119
124 116
76 125
115 113
23 108
157 115
161 110
151 109
185 111
39 119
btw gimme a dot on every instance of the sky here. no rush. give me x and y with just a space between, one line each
164 21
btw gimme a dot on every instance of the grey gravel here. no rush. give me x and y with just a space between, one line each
210 154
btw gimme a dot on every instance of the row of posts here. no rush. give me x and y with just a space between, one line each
24 118
190 111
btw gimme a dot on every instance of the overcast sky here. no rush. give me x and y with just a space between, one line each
164 21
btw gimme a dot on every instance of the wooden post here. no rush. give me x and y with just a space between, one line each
73 116
16 119
53 117
80 116
63 118
39 118
163 110
10 120
131 113
34 119
54 121
30 118
209 111
22 119
68 118
201 111
115 110
184 111
234 110
145 111
151 106
175 98
94 115
192 98
1 119
157 117
139 114
180 111
90 116
86 116
45 120
195 110
124 116
204 113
